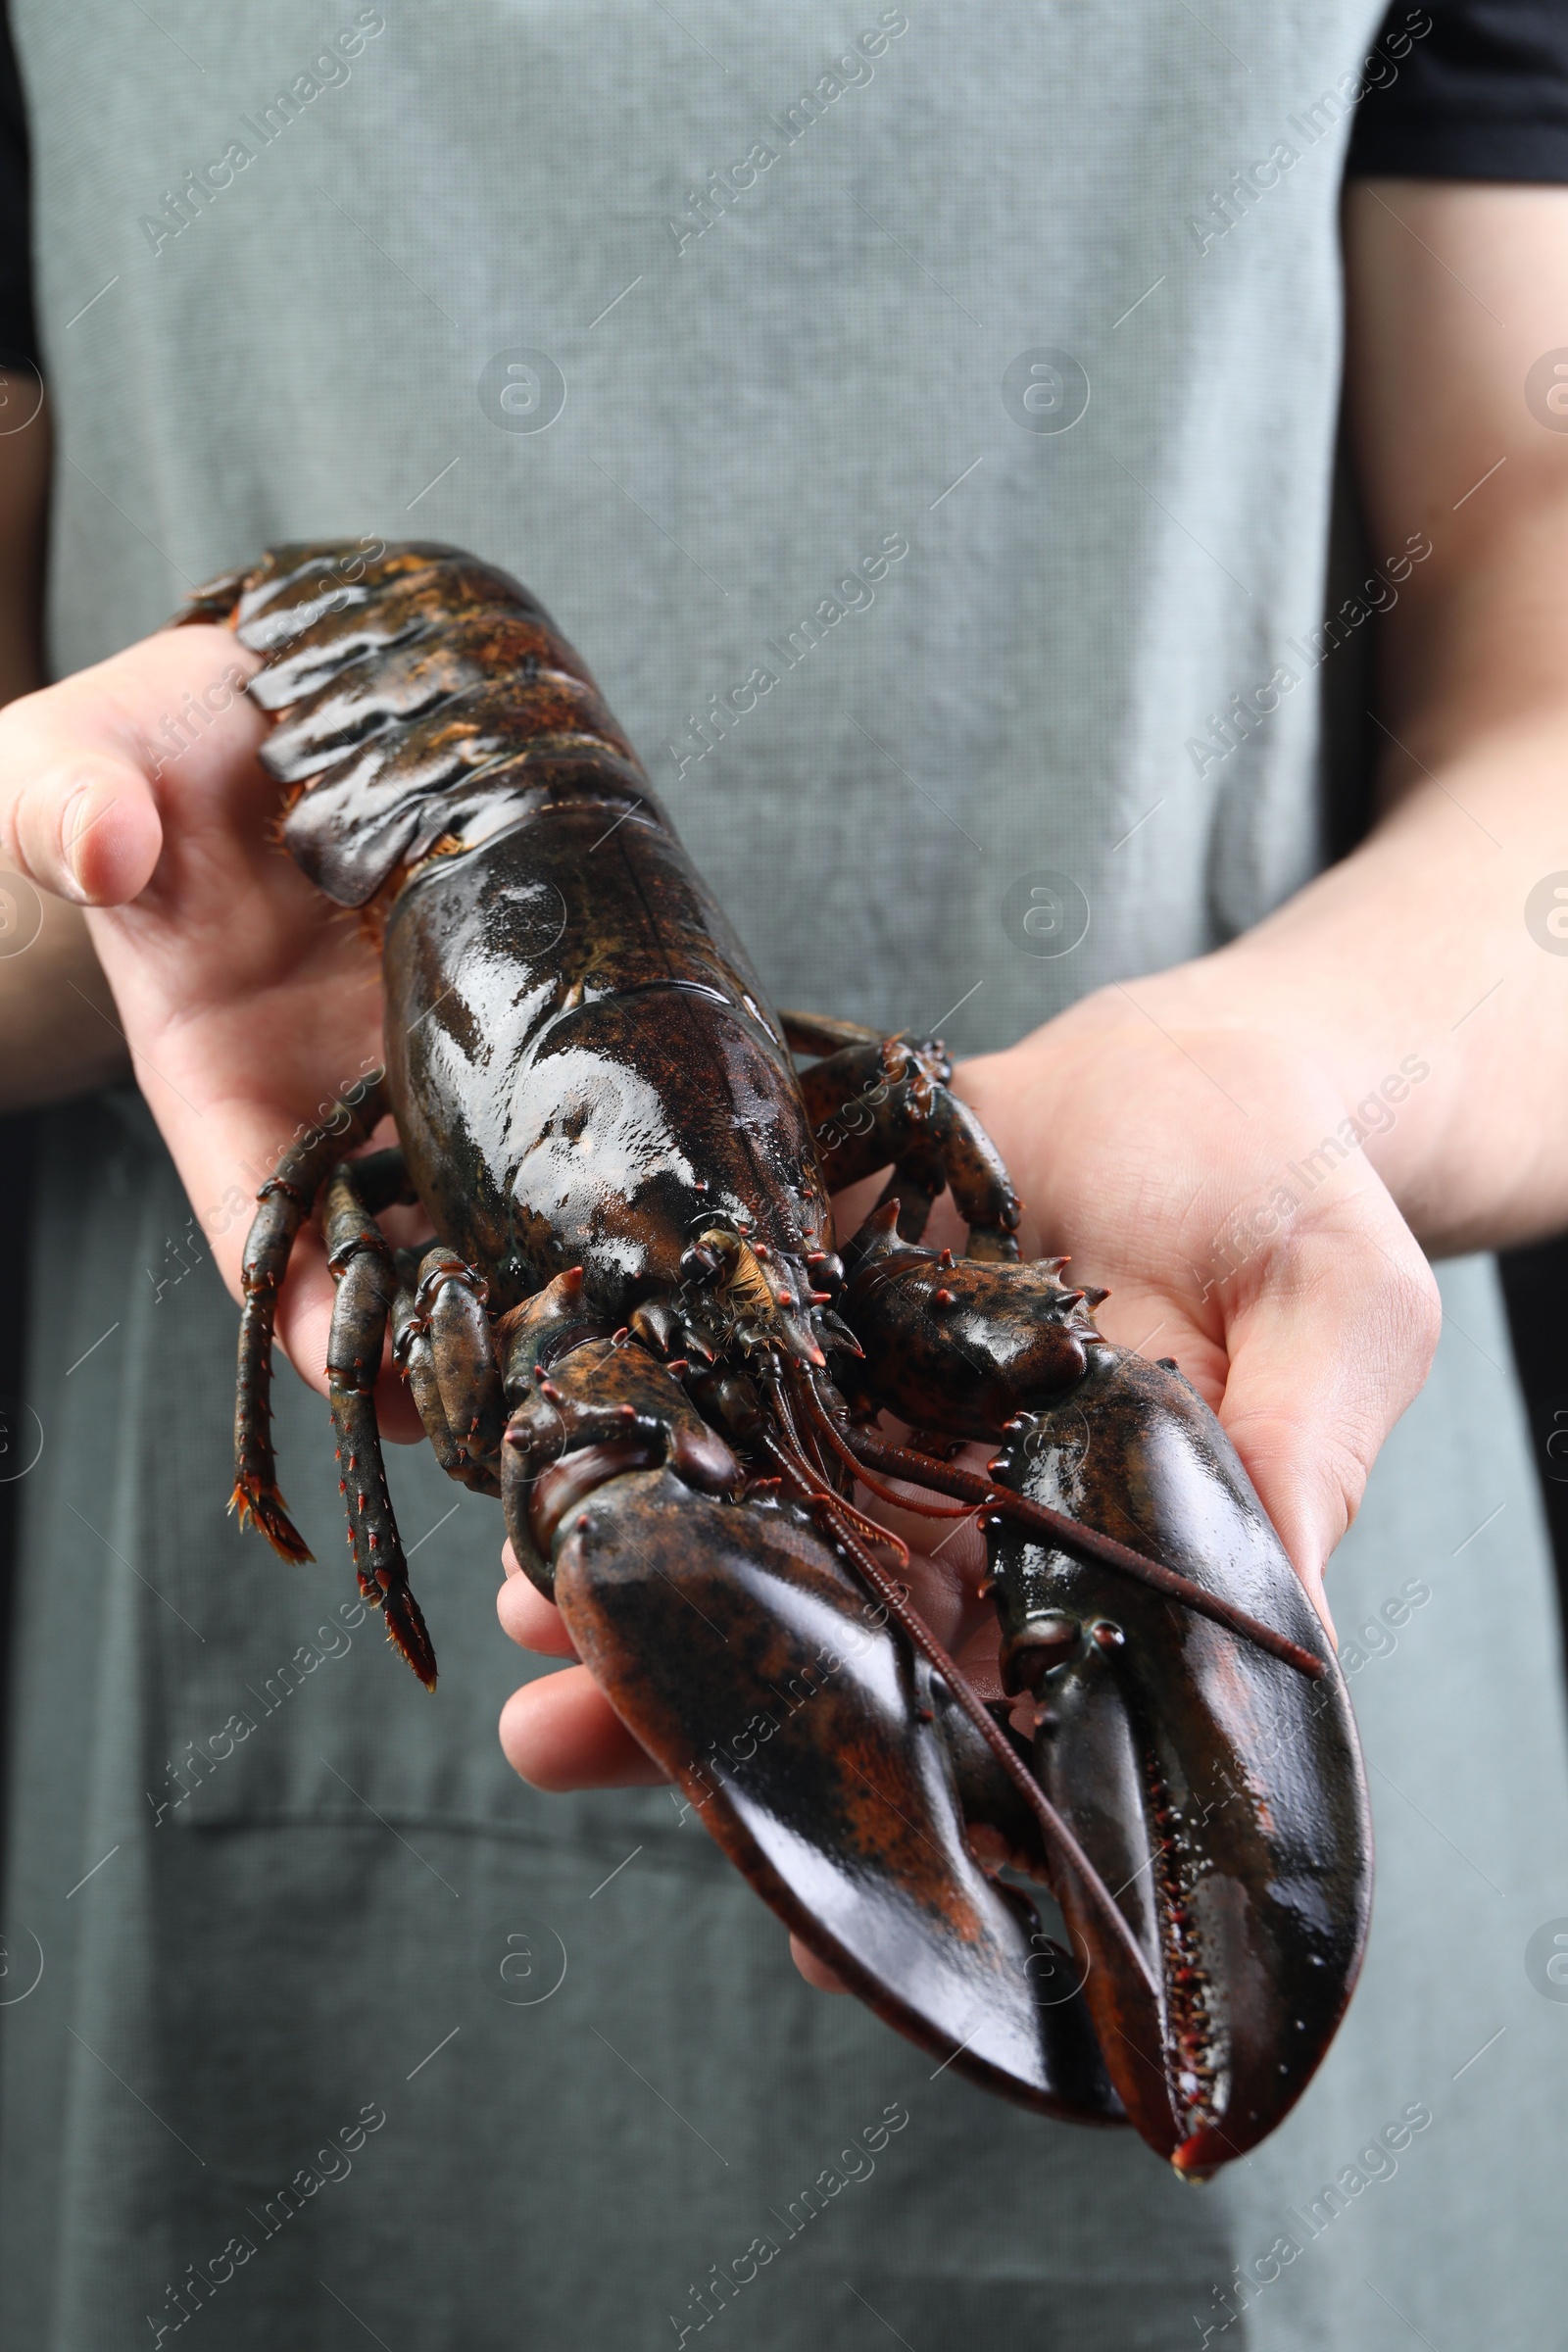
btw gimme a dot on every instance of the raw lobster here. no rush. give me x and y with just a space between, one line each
635 1329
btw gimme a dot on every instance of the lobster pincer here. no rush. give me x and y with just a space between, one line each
1221 1791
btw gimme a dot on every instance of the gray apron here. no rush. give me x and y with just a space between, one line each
928 439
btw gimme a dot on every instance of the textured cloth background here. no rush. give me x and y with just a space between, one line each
315 1935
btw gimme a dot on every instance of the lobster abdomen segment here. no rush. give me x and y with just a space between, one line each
422 698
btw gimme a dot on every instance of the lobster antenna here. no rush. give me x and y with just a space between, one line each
1060 1838
1088 1542
803 1461
824 1423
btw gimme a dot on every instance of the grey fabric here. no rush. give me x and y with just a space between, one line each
317 1934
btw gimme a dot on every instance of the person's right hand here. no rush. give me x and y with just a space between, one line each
249 1002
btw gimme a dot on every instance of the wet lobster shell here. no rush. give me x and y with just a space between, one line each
635 1330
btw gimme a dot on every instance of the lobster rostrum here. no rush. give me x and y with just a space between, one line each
636 1327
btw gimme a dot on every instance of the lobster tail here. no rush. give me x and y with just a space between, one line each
425 702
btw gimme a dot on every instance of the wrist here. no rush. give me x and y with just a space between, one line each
1264 1026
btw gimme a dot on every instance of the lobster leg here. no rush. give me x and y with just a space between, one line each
464 1355
411 1352
415 1358
442 1341
892 1100
365 1275
814 1033
285 1201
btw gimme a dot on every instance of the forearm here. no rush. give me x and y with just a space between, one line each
24 445
57 1031
1412 958
1431 944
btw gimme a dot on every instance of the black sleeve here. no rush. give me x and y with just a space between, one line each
1481 94
19 333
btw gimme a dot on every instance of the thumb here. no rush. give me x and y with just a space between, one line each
1332 1340
80 761
79 821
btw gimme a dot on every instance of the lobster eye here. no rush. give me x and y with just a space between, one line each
701 1262
1107 1636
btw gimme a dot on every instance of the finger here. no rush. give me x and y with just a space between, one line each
80 762
397 1416
80 824
947 1550
305 1308
1325 1354
528 1617
816 1972
562 1733
1155 1322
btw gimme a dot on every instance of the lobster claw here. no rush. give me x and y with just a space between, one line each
1218 1791
816 1750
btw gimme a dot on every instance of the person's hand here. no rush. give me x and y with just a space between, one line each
1209 1177
248 1001
1174 1166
